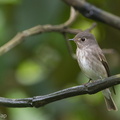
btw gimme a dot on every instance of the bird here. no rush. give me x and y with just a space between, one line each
93 63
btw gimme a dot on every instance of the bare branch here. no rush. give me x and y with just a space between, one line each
70 50
72 18
34 31
41 29
90 11
92 27
109 51
38 101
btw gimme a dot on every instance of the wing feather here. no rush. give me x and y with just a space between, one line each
105 64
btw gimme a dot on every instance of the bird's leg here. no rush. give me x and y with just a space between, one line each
90 80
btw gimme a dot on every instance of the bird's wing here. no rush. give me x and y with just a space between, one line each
105 64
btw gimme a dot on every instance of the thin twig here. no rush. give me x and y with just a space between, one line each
20 37
109 51
38 101
70 50
72 18
41 29
92 27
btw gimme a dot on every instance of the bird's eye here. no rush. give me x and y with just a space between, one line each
83 39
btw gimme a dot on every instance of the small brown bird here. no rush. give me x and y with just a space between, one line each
93 62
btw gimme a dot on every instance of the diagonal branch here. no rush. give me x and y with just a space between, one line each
38 101
72 18
70 50
20 37
90 11
62 28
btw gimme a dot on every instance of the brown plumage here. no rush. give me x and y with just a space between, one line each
93 62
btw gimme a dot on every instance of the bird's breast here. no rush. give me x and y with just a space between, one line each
89 64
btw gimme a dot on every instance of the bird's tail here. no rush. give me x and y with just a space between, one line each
109 100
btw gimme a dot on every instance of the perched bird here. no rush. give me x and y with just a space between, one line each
93 62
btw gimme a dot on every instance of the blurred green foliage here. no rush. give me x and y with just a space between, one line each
42 64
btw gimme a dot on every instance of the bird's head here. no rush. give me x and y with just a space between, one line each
84 39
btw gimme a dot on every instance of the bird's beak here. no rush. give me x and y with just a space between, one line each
71 39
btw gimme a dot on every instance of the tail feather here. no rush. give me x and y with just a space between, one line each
110 104
109 100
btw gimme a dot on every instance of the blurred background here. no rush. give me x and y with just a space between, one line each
41 64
